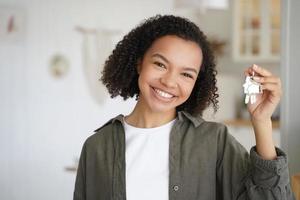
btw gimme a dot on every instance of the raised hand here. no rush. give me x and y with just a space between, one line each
267 101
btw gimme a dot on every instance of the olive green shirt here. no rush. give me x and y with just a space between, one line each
205 163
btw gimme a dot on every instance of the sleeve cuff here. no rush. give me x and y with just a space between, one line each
269 173
277 165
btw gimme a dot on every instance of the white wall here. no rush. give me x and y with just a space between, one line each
45 121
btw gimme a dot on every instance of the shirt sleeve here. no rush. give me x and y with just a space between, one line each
79 191
242 176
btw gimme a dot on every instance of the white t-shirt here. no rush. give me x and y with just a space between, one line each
147 162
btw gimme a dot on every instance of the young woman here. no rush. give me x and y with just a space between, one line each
163 149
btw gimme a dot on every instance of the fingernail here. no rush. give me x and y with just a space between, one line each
255 66
256 78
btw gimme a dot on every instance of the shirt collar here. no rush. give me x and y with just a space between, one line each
181 115
196 120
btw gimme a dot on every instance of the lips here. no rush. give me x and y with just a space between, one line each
163 94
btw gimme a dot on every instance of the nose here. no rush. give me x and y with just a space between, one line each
169 80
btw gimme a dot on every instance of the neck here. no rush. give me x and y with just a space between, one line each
144 118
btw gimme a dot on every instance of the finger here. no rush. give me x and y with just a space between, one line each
260 71
268 79
275 89
248 71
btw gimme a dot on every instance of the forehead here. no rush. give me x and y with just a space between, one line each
177 50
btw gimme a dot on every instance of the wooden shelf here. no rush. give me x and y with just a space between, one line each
247 123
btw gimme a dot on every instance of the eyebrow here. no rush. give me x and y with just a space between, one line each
166 60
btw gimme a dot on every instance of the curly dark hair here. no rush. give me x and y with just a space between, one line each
120 74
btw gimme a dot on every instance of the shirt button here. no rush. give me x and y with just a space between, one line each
176 188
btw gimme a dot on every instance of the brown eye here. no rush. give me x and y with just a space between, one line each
188 75
159 64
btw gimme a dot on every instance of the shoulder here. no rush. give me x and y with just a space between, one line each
200 126
104 134
211 132
215 132
213 127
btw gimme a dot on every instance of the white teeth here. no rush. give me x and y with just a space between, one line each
163 94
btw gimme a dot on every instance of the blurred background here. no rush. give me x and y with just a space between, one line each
51 57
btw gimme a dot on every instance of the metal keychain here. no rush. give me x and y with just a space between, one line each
251 89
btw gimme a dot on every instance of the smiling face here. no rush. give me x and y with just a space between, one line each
167 73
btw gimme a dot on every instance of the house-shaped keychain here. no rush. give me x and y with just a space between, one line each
251 89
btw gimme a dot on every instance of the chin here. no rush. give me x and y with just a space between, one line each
162 108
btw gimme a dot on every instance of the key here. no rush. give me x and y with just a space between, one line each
251 89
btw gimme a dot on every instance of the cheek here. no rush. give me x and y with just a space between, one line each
144 79
187 89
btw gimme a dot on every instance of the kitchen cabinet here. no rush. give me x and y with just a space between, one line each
256 30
